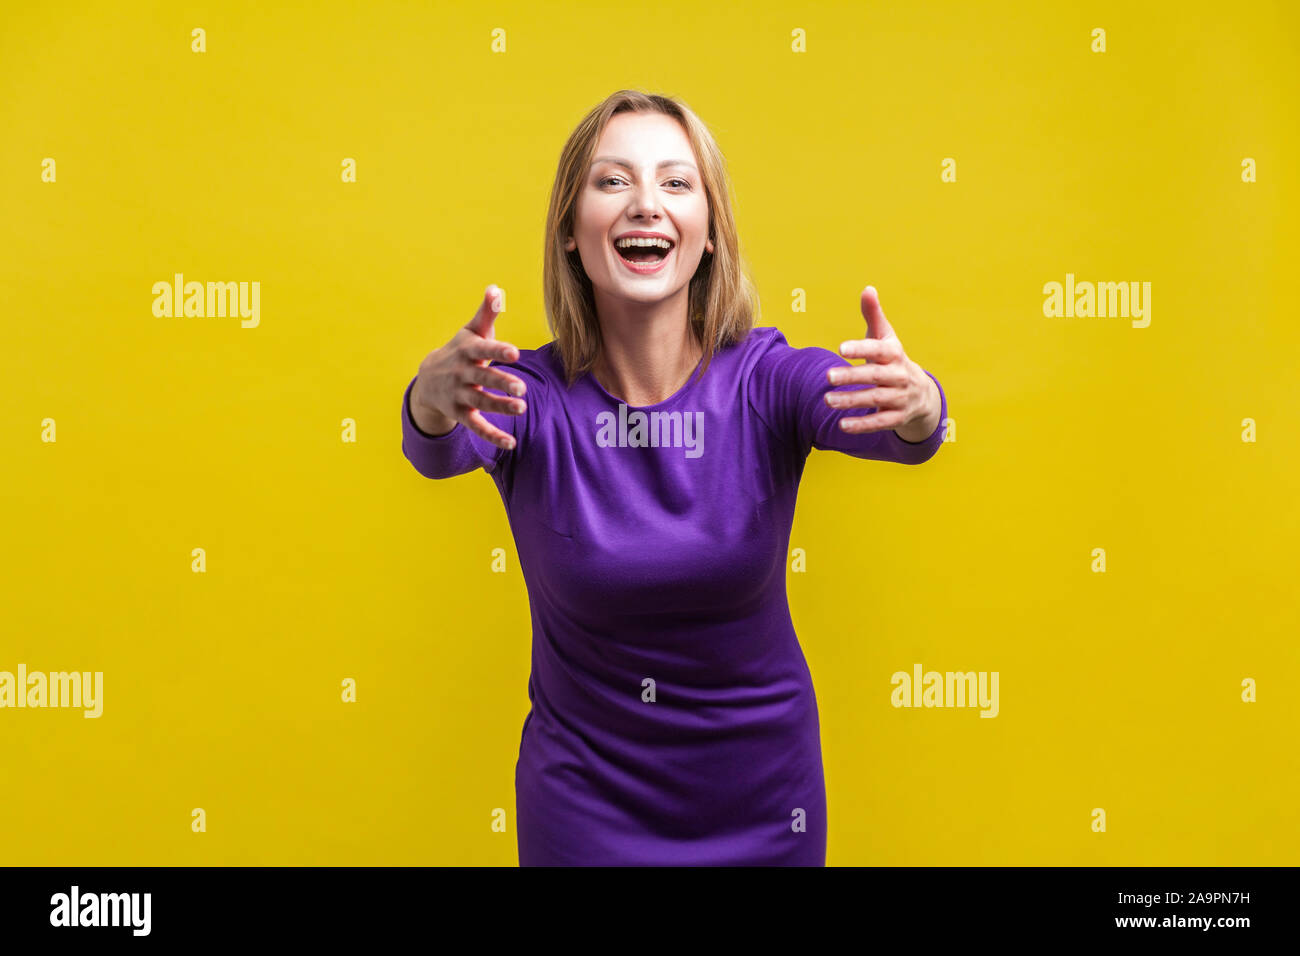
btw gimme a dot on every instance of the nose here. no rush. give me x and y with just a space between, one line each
644 203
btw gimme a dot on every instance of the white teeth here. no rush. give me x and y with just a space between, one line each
628 243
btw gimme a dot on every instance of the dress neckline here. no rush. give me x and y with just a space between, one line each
685 387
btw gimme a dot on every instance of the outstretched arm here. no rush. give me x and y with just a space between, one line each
888 410
455 414
906 398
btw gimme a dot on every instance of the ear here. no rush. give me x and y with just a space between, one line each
570 244
708 246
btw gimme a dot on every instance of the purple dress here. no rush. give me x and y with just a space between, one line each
673 718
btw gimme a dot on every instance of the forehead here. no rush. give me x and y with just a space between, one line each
644 137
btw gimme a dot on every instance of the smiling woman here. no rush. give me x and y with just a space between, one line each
673 718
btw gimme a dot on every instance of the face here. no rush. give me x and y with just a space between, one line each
644 179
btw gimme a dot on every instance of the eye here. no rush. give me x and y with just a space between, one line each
676 179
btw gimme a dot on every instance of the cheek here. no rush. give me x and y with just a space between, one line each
592 229
699 222
594 248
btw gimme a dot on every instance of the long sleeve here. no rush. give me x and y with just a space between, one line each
459 451
787 392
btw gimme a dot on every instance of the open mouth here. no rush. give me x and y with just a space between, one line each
643 251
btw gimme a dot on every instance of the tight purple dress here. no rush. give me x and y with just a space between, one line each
673 719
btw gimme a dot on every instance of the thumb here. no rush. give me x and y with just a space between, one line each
485 318
878 326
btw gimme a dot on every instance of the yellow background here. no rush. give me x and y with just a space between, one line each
329 560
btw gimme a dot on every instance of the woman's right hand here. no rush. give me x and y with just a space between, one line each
449 386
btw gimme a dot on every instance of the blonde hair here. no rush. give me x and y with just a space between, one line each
723 302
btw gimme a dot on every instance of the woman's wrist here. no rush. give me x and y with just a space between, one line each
428 420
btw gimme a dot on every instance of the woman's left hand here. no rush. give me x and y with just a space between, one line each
905 397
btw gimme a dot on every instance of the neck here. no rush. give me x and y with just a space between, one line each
648 351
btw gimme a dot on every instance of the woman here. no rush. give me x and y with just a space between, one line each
650 476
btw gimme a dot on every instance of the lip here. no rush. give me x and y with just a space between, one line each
645 268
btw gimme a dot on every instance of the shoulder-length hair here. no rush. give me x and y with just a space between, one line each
722 302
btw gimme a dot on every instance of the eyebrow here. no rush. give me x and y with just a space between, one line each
627 164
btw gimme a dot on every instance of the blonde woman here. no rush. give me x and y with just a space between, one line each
648 459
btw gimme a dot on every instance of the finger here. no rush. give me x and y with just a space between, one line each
868 398
489 350
869 374
488 310
475 421
859 424
477 397
495 378
878 326
873 350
